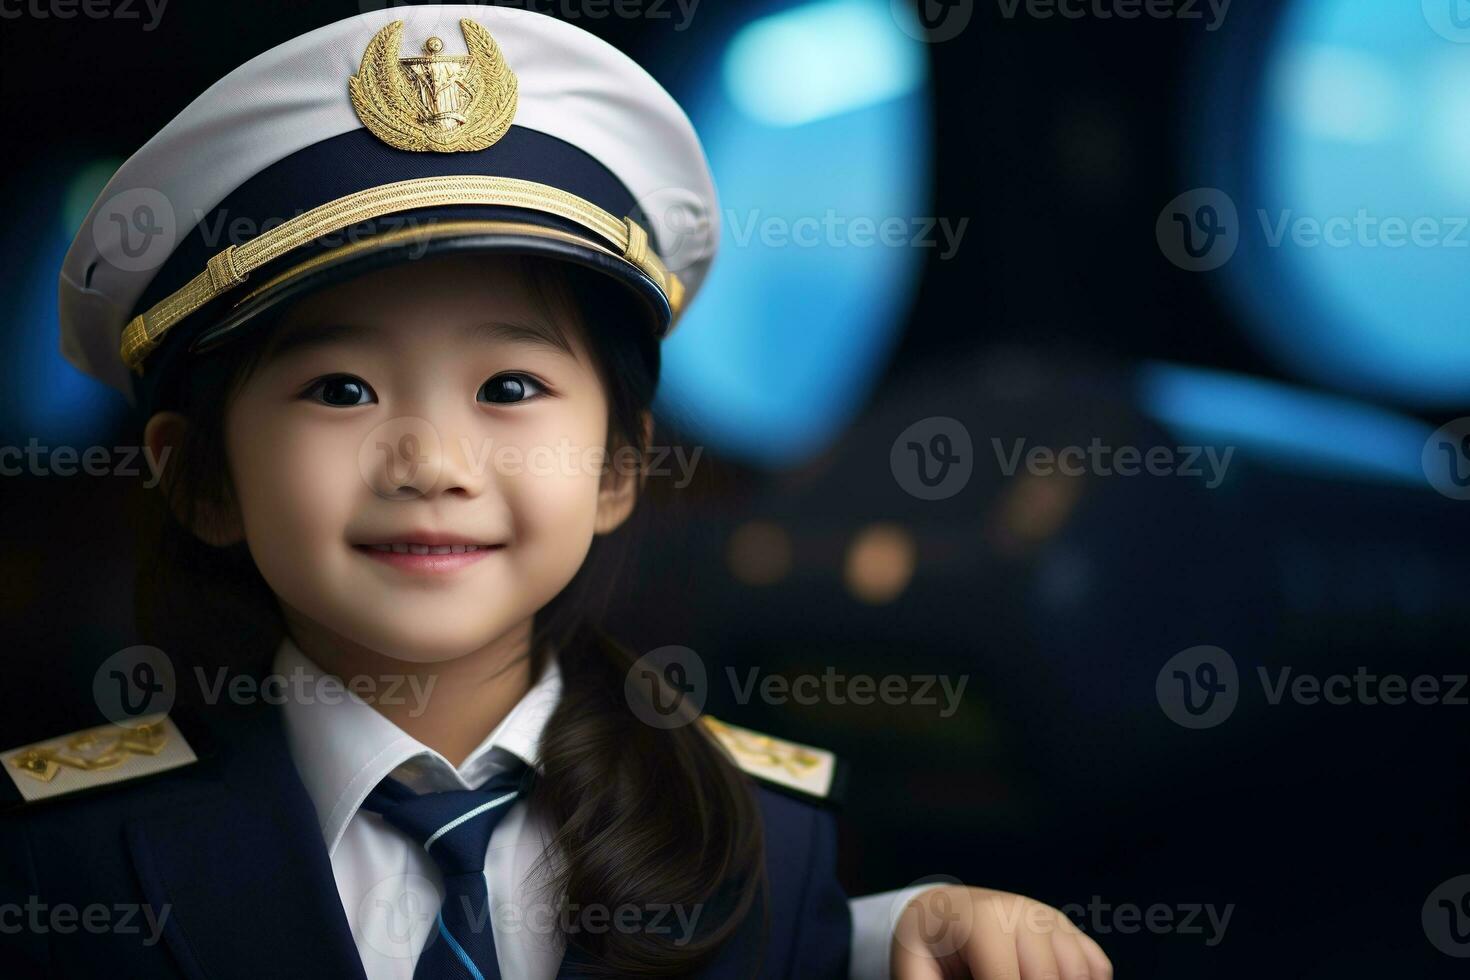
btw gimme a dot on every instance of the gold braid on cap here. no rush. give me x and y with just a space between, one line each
232 266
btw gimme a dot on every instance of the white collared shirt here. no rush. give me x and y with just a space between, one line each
343 747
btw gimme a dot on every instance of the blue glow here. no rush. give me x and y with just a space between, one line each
48 399
1365 119
1325 434
804 301
819 60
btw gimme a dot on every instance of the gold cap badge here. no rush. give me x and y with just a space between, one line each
435 102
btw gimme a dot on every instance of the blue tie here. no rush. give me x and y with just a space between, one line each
454 827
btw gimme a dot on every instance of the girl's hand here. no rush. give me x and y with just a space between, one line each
952 932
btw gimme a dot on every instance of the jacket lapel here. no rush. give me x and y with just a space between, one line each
244 874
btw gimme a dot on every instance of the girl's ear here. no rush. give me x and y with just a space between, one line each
214 524
619 490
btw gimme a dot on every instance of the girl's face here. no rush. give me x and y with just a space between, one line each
402 417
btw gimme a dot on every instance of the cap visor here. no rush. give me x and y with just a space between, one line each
296 276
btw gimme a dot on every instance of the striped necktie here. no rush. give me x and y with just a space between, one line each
454 827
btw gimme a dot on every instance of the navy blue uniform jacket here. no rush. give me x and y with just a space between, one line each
230 847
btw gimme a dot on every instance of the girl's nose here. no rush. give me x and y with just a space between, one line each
413 457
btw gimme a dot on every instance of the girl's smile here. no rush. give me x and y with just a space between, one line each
433 554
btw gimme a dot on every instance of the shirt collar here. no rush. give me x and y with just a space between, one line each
343 747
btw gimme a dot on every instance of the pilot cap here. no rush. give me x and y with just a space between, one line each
381 138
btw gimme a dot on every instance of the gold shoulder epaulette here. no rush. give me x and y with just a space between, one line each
96 757
804 768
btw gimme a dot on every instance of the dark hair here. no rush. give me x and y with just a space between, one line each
642 816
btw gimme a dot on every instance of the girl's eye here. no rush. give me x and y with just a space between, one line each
507 389
341 390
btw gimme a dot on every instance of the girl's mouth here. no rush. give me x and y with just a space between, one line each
437 558
428 549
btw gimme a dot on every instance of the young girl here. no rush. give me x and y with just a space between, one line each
403 399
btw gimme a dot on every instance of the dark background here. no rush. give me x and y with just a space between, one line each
1060 777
